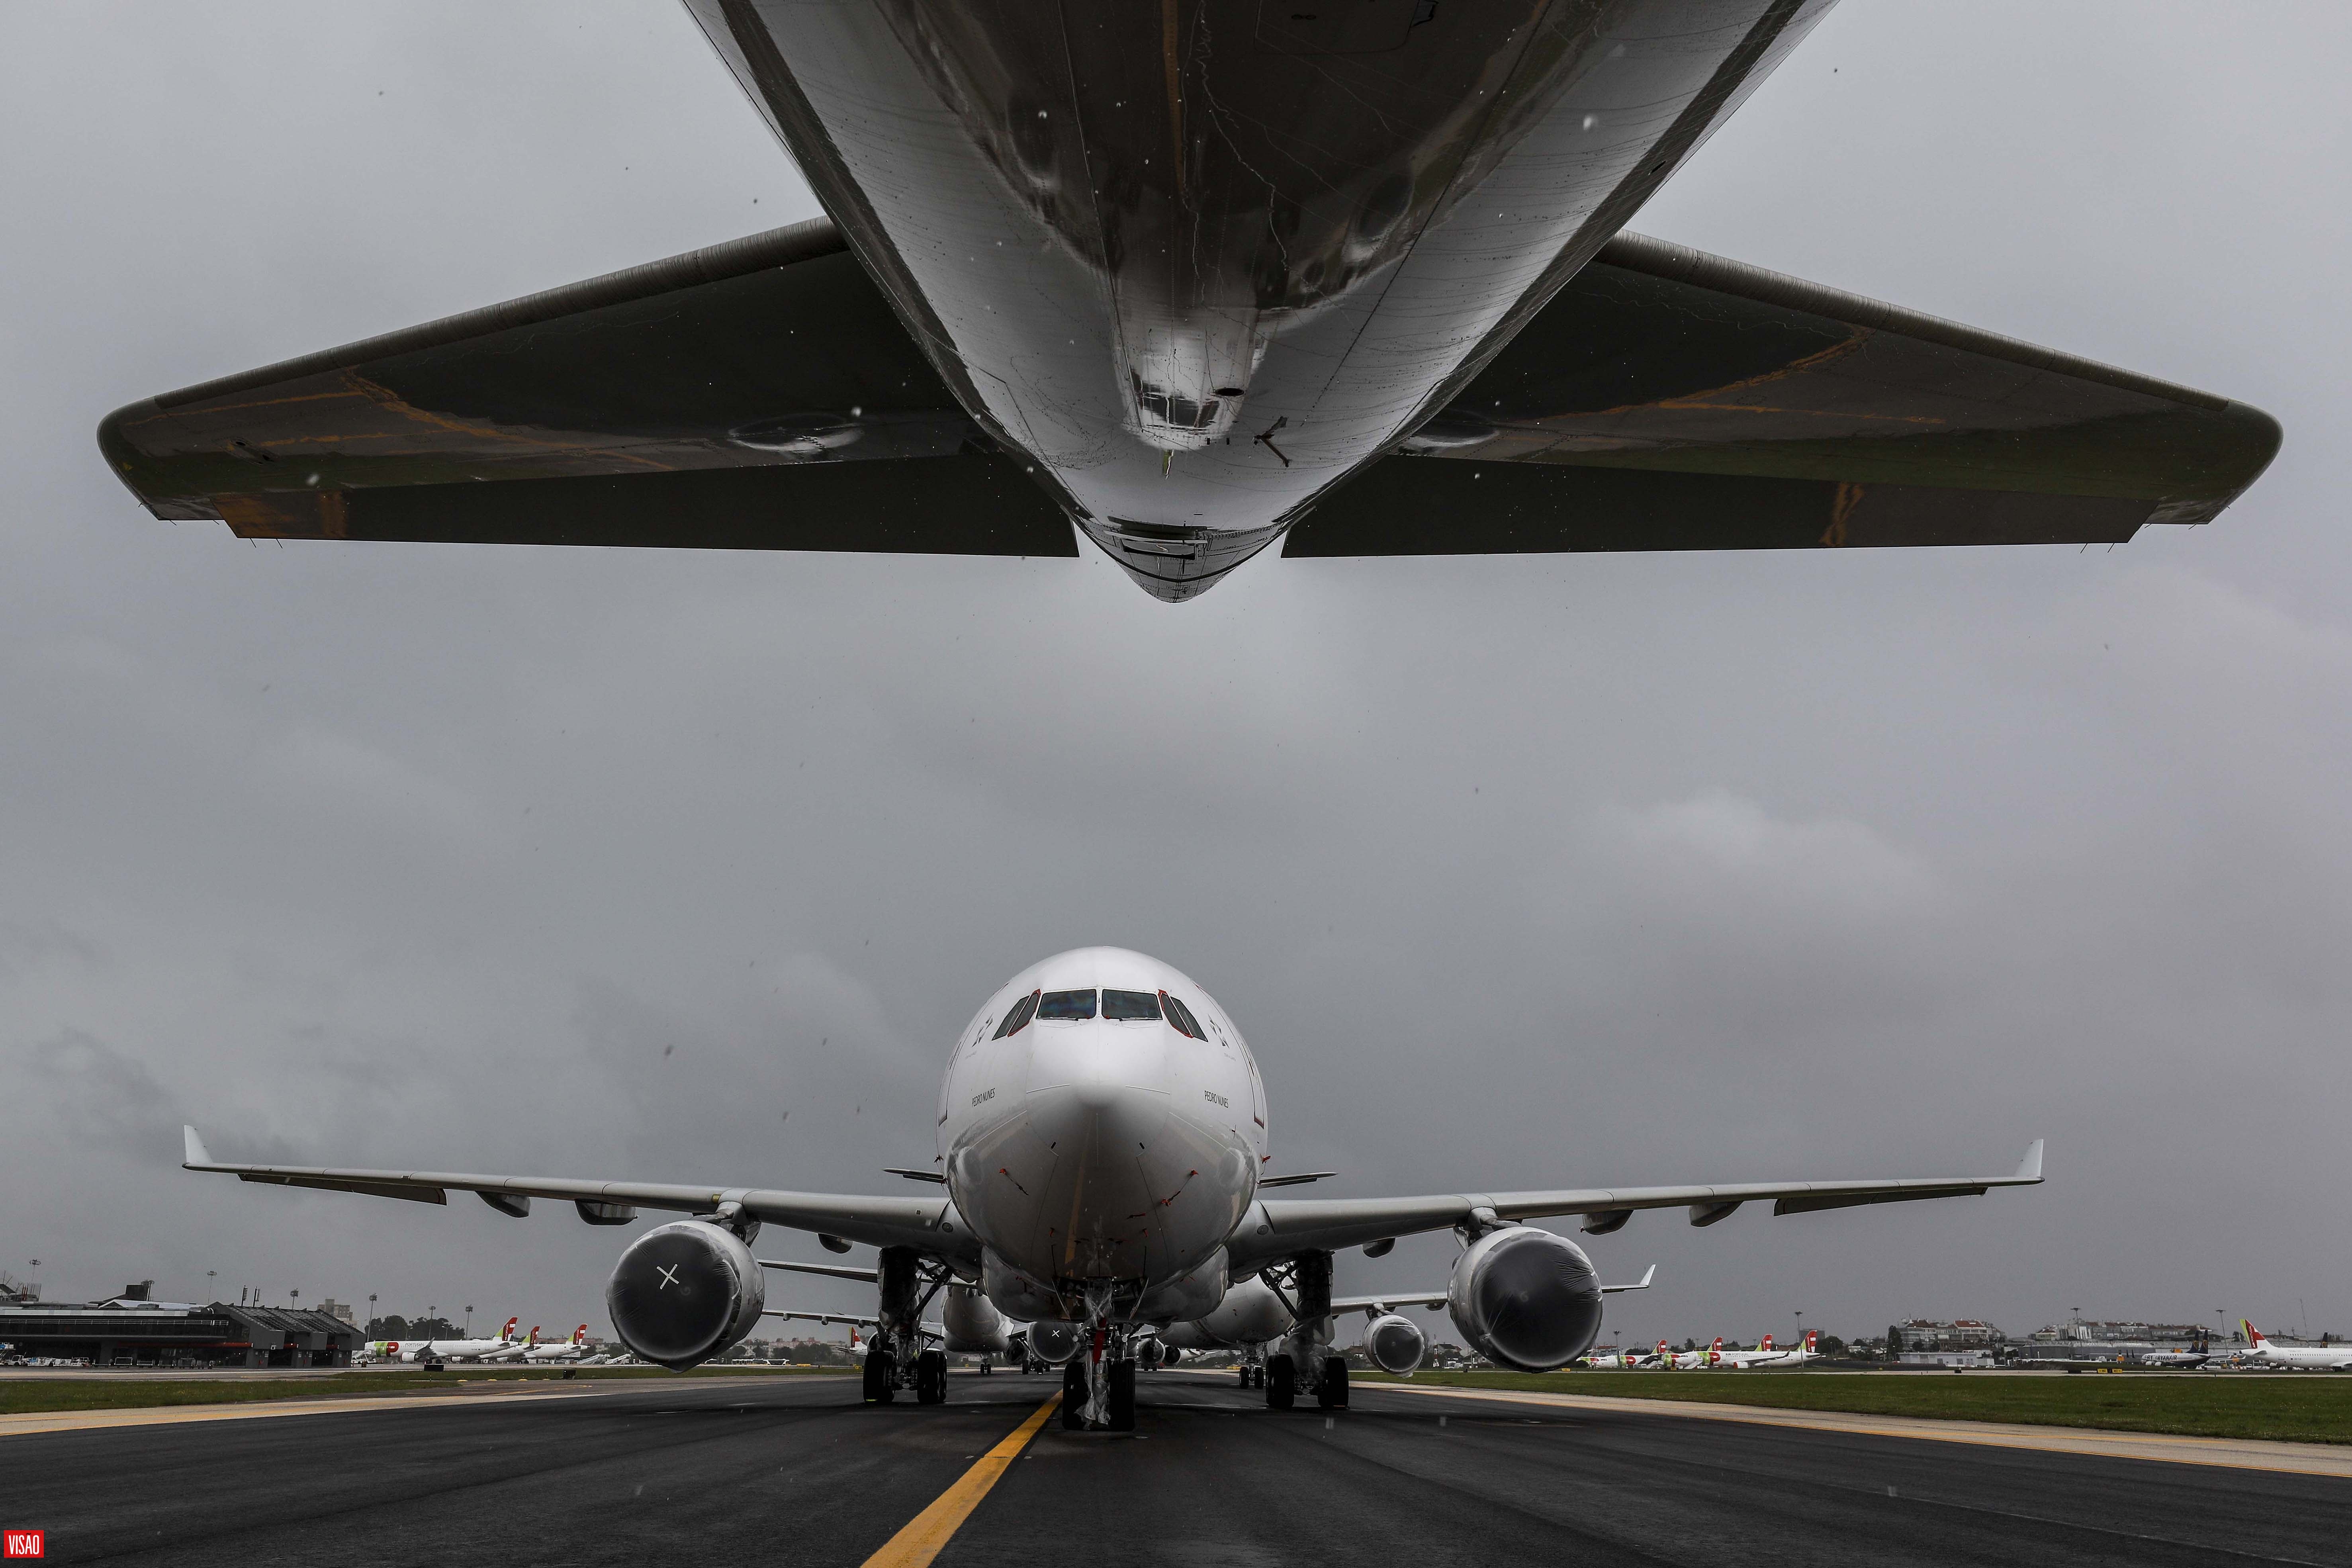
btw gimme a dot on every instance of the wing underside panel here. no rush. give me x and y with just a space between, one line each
1667 399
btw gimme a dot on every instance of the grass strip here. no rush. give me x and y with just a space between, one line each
2295 1408
99 1392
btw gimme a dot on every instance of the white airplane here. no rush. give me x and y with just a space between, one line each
1766 1357
1197 277
1100 1131
443 1349
572 1349
2324 1358
1256 1313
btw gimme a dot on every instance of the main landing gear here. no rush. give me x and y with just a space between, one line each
879 1389
1281 1382
931 1378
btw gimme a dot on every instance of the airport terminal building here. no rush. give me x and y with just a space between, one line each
167 1334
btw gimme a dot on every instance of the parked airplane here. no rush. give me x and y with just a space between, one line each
2326 1358
1766 1357
572 1349
443 1349
1696 1361
968 1325
1196 277
1101 1128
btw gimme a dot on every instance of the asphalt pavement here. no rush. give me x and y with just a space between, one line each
797 1470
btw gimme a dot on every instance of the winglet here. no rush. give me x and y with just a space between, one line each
1647 1275
2029 1169
196 1150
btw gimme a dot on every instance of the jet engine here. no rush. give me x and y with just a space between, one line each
1394 1344
1525 1299
685 1291
1055 1343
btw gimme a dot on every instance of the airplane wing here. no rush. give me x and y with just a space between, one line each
837 1270
920 1222
1668 399
759 395
1277 1228
1433 1300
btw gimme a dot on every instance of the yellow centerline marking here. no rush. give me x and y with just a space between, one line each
930 1530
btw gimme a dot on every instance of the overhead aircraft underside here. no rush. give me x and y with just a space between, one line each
1195 277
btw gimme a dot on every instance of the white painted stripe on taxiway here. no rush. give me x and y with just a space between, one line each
2229 1453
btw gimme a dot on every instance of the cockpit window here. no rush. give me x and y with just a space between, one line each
1018 1019
1130 1004
1181 1016
1066 1004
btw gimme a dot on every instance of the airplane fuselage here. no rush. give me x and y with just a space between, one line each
1112 1153
1202 260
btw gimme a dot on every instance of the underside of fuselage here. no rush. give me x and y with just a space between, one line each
1199 260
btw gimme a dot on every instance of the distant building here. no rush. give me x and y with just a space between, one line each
335 1308
133 1331
1925 1335
2083 1331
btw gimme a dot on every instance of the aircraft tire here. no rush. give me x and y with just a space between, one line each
1332 1394
931 1378
1245 1375
1120 1411
1281 1382
877 1377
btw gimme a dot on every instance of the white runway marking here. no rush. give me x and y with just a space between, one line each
2232 1453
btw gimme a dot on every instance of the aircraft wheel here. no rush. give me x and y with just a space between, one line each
1074 1394
1281 1382
931 1378
1245 1376
1121 1405
877 1377
1333 1393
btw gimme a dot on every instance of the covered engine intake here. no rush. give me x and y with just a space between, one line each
1527 1298
685 1291
1394 1344
1054 1341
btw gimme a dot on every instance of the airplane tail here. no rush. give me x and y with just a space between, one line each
505 1331
1715 1352
580 1334
1765 1343
2254 1336
534 1335
1813 1338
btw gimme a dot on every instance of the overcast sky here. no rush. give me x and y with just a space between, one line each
1517 872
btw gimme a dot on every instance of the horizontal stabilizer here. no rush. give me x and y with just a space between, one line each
1667 399
759 395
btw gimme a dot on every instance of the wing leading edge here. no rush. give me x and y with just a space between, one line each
925 1222
1279 1226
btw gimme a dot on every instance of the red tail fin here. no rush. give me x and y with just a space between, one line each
1767 1343
1813 1338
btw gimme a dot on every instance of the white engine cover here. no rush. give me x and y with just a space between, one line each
1394 1344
